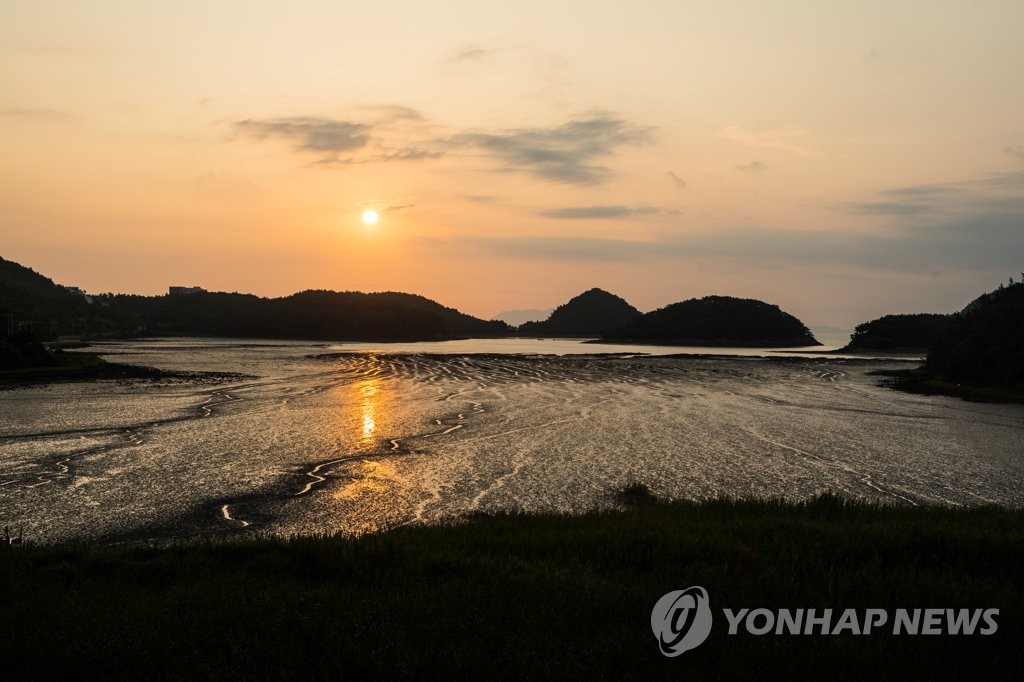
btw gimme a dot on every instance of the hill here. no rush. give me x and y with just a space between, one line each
31 301
900 332
985 342
718 321
314 314
590 314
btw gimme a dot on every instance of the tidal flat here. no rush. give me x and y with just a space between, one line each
350 439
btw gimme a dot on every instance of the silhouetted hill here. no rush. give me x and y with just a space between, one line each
30 300
900 332
590 314
718 321
313 314
28 297
985 343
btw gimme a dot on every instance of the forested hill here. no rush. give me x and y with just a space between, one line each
900 332
718 321
27 295
314 314
985 342
30 301
590 314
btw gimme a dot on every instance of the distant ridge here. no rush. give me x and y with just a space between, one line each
717 321
26 295
30 301
518 317
588 315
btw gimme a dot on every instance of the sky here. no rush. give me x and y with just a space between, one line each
842 160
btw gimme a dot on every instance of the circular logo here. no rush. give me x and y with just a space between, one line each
681 620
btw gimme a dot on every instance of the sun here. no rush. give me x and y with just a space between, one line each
370 217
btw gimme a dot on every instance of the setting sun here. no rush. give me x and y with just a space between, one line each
370 217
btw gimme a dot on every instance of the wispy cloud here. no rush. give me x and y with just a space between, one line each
386 113
1017 152
323 136
976 224
754 167
676 180
590 249
792 139
600 212
565 153
570 152
392 208
938 199
35 114
989 242
391 133
892 208
472 53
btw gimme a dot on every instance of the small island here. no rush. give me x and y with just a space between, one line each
717 321
588 315
900 333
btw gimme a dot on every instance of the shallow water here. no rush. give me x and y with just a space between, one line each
328 437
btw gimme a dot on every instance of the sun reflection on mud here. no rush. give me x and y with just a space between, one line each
368 399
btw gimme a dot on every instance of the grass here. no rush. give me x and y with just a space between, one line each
523 597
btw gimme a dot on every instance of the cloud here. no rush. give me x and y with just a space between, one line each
391 208
590 249
599 212
989 242
676 180
885 208
472 53
383 155
1017 152
975 224
754 167
395 133
566 153
323 136
920 192
1014 180
936 200
393 112
792 139
31 114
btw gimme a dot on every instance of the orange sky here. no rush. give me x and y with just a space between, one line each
844 160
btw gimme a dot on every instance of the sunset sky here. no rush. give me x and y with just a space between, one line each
841 159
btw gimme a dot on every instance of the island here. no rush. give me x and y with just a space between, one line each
717 321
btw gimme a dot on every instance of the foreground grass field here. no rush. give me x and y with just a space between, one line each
524 597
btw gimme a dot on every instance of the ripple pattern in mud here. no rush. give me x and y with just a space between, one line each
355 442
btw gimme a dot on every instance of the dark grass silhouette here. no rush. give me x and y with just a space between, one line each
511 596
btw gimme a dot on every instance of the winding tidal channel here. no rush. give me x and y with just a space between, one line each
308 437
